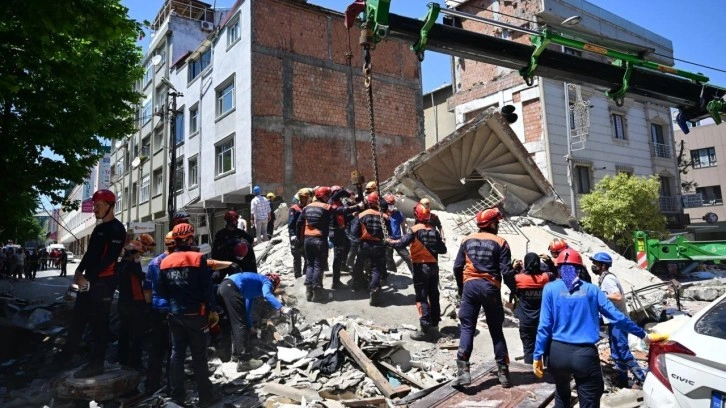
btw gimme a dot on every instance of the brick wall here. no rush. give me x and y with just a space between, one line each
305 99
532 117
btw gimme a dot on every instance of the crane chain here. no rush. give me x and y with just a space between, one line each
368 75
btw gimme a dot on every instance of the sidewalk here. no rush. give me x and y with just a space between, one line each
46 287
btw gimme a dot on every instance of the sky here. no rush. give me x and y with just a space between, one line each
694 27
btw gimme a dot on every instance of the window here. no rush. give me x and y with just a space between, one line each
144 188
656 133
233 33
225 98
148 74
120 166
195 67
179 127
193 120
224 156
618 126
713 322
193 172
703 157
711 195
582 178
158 139
665 186
134 194
179 175
572 116
126 196
158 182
146 113
146 146
119 202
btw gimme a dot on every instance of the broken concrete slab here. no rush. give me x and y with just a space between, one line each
295 394
706 293
290 355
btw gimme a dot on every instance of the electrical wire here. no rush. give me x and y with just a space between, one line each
61 224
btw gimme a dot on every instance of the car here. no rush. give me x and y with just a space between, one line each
71 257
688 370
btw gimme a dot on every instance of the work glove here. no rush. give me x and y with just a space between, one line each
293 241
285 310
215 275
654 337
213 319
538 368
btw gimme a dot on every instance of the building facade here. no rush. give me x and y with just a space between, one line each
635 138
439 120
268 93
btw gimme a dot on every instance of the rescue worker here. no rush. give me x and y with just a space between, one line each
535 275
619 349
371 186
557 245
271 219
396 221
435 221
236 294
338 235
186 283
97 280
132 305
296 244
426 245
223 241
569 320
159 334
368 228
180 217
147 242
483 262
314 222
260 211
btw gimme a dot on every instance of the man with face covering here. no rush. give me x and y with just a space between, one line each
529 284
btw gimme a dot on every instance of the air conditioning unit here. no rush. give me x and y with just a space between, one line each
207 26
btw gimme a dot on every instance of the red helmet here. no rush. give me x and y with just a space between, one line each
134 246
181 217
372 199
557 245
104 195
231 216
240 250
275 278
569 256
169 240
322 191
484 218
390 199
183 231
421 213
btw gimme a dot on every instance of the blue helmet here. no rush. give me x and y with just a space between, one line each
257 190
602 257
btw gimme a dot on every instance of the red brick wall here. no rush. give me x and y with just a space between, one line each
300 84
532 117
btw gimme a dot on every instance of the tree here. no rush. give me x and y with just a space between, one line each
66 81
621 205
683 165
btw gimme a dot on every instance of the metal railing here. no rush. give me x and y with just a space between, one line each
661 150
668 204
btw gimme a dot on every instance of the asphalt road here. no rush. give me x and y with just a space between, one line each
47 286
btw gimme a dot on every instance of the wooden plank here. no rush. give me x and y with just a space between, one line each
364 402
411 380
366 365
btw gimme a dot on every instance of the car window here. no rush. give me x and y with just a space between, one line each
713 323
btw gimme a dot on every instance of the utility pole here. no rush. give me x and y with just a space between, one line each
569 158
171 202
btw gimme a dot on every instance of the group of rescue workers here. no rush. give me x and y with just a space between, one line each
182 294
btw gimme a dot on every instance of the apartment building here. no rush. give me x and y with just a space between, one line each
267 93
635 138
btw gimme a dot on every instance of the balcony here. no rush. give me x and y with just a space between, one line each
661 150
668 204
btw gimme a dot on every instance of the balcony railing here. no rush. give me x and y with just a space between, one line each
669 204
661 150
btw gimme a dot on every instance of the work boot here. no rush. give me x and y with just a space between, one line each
248 364
463 375
89 370
318 295
423 334
503 375
337 284
373 301
309 293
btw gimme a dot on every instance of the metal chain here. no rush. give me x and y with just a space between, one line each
368 75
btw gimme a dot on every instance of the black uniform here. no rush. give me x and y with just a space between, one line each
225 239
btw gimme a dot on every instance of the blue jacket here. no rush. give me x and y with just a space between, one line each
573 317
153 273
396 220
253 285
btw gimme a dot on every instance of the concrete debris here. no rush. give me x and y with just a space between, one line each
705 291
290 355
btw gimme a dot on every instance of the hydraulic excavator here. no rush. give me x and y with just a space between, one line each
658 256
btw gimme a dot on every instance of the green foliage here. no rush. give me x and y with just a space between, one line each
66 81
620 205
19 224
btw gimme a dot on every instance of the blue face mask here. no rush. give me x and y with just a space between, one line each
569 275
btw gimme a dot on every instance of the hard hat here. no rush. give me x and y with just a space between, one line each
484 218
569 256
134 246
257 190
169 240
104 195
603 258
241 249
303 192
371 186
372 199
421 213
275 278
334 189
148 241
270 195
231 215
181 217
183 231
322 191
557 245
390 198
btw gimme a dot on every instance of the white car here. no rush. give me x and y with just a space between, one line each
71 257
689 370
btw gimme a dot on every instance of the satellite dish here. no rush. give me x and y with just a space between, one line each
135 163
156 60
119 143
